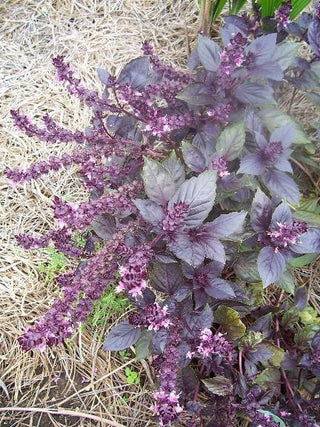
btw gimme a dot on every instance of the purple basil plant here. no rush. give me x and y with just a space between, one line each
193 202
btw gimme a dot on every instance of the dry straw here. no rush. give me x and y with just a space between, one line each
92 34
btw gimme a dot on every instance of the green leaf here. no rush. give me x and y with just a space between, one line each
230 320
277 354
303 260
285 54
269 379
309 316
217 9
246 268
304 335
297 7
290 317
287 282
236 6
142 346
274 416
309 217
218 385
231 141
158 182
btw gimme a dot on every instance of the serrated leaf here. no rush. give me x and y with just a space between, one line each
231 141
199 193
230 320
121 337
158 182
166 278
218 385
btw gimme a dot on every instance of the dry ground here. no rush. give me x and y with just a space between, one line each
92 34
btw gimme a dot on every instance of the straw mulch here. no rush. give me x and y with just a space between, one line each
78 381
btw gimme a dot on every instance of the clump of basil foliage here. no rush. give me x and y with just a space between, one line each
206 252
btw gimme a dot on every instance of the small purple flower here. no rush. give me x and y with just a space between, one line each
286 234
134 273
210 345
282 15
174 218
220 164
153 316
167 406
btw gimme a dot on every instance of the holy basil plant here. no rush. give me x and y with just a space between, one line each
194 206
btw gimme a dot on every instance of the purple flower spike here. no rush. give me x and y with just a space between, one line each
283 15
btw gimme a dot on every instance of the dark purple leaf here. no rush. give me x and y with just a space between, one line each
199 193
159 339
227 224
282 185
200 298
282 214
193 157
228 31
209 53
121 337
150 211
187 381
254 93
263 48
135 73
261 212
229 183
191 252
143 345
205 139
271 265
246 268
166 278
200 321
213 248
104 226
252 164
158 182
220 289
196 94
263 325
314 35
301 297
219 385
238 22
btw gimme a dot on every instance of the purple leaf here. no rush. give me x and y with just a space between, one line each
254 93
104 226
252 164
301 298
263 48
193 157
121 337
230 183
166 278
308 242
270 70
196 94
284 134
189 251
281 214
260 140
314 35
135 73
229 30
158 182
282 185
150 211
199 193
282 163
219 289
209 53
103 76
271 265
213 248
227 224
